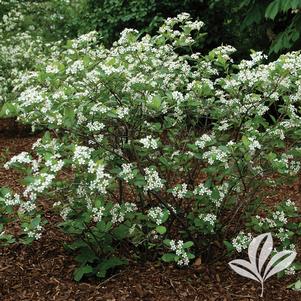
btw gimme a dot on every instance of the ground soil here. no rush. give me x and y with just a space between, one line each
43 271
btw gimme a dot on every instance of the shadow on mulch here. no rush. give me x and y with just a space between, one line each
44 270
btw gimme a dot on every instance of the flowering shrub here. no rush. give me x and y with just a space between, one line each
151 148
27 31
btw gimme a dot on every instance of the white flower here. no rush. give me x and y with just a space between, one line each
76 67
21 158
156 214
280 216
149 142
208 218
118 212
95 126
82 154
127 173
203 140
290 203
52 69
177 247
65 212
242 241
201 190
215 154
180 191
254 144
153 181
122 112
97 214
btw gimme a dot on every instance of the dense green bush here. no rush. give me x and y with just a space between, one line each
155 152
278 20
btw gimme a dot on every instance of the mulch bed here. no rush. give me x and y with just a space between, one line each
43 271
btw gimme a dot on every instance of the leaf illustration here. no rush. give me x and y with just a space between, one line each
245 269
253 269
279 262
265 251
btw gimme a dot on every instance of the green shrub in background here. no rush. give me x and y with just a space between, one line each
151 153
221 18
280 21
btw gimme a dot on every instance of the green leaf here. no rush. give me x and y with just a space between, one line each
296 285
254 15
168 257
161 229
187 244
273 9
8 110
86 255
109 264
69 117
166 242
81 271
121 232
229 246
156 102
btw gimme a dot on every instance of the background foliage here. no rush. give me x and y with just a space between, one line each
279 19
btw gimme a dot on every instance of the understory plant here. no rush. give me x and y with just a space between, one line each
153 151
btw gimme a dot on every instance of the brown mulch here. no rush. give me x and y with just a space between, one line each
43 271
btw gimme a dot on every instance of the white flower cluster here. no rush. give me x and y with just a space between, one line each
256 58
53 164
265 220
118 211
185 36
215 154
180 191
82 154
156 214
254 144
208 218
26 207
225 51
178 248
21 158
76 67
34 233
12 200
149 142
290 270
90 37
38 185
203 140
290 203
280 216
122 112
153 181
95 126
222 191
291 166
283 234
65 212
224 125
127 171
52 69
242 241
202 190
98 214
102 179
